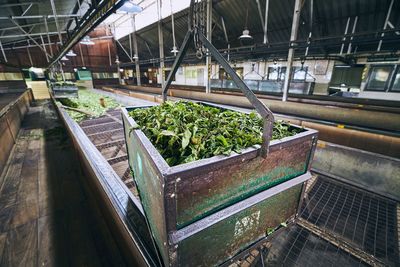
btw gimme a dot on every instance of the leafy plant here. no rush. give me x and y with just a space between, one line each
185 131
90 102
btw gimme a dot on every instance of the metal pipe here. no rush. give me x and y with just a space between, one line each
53 7
130 46
260 14
109 53
173 28
39 16
33 40
82 59
136 50
48 36
352 32
123 48
44 47
29 54
209 37
266 22
27 9
160 42
225 33
3 52
293 37
344 37
385 25
29 34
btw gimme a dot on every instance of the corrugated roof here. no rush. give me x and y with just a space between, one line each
330 18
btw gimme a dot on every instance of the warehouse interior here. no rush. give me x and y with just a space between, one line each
199 133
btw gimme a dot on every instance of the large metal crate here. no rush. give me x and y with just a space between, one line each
64 91
195 210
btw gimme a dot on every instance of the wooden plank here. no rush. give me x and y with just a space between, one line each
11 176
21 246
51 235
26 208
3 237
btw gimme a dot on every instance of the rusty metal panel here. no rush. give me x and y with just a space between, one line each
203 190
223 240
177 197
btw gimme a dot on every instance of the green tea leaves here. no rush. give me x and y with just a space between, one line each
186 138
185 131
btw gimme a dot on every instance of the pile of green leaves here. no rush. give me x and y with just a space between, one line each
88 101
185 131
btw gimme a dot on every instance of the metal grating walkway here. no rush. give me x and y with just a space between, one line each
362 219
106 133
339 225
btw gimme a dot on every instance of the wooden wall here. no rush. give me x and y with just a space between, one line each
95 57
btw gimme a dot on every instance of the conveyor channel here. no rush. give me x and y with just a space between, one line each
340 224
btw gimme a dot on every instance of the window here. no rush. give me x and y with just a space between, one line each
225 76
282 73
299 73
273 73
396 82
379 78
347 76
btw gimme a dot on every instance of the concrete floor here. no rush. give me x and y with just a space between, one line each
46 218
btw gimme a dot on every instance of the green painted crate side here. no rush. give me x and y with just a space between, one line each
223 240
231 184
152 198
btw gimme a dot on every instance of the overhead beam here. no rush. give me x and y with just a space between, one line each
39 16
33 40
28 34
90 20
385 25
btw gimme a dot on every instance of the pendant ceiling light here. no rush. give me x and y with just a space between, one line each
86 41
246 33
130 7
64 58
71 53
174 48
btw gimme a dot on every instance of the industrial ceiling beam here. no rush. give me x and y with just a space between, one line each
385 24
26 33
53 8
93 17
19 4
39 17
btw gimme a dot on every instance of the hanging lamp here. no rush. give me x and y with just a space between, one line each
246 33
71 53
87 41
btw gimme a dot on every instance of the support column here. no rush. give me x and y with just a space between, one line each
293 37
135 48
209 36
161 42
53 7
